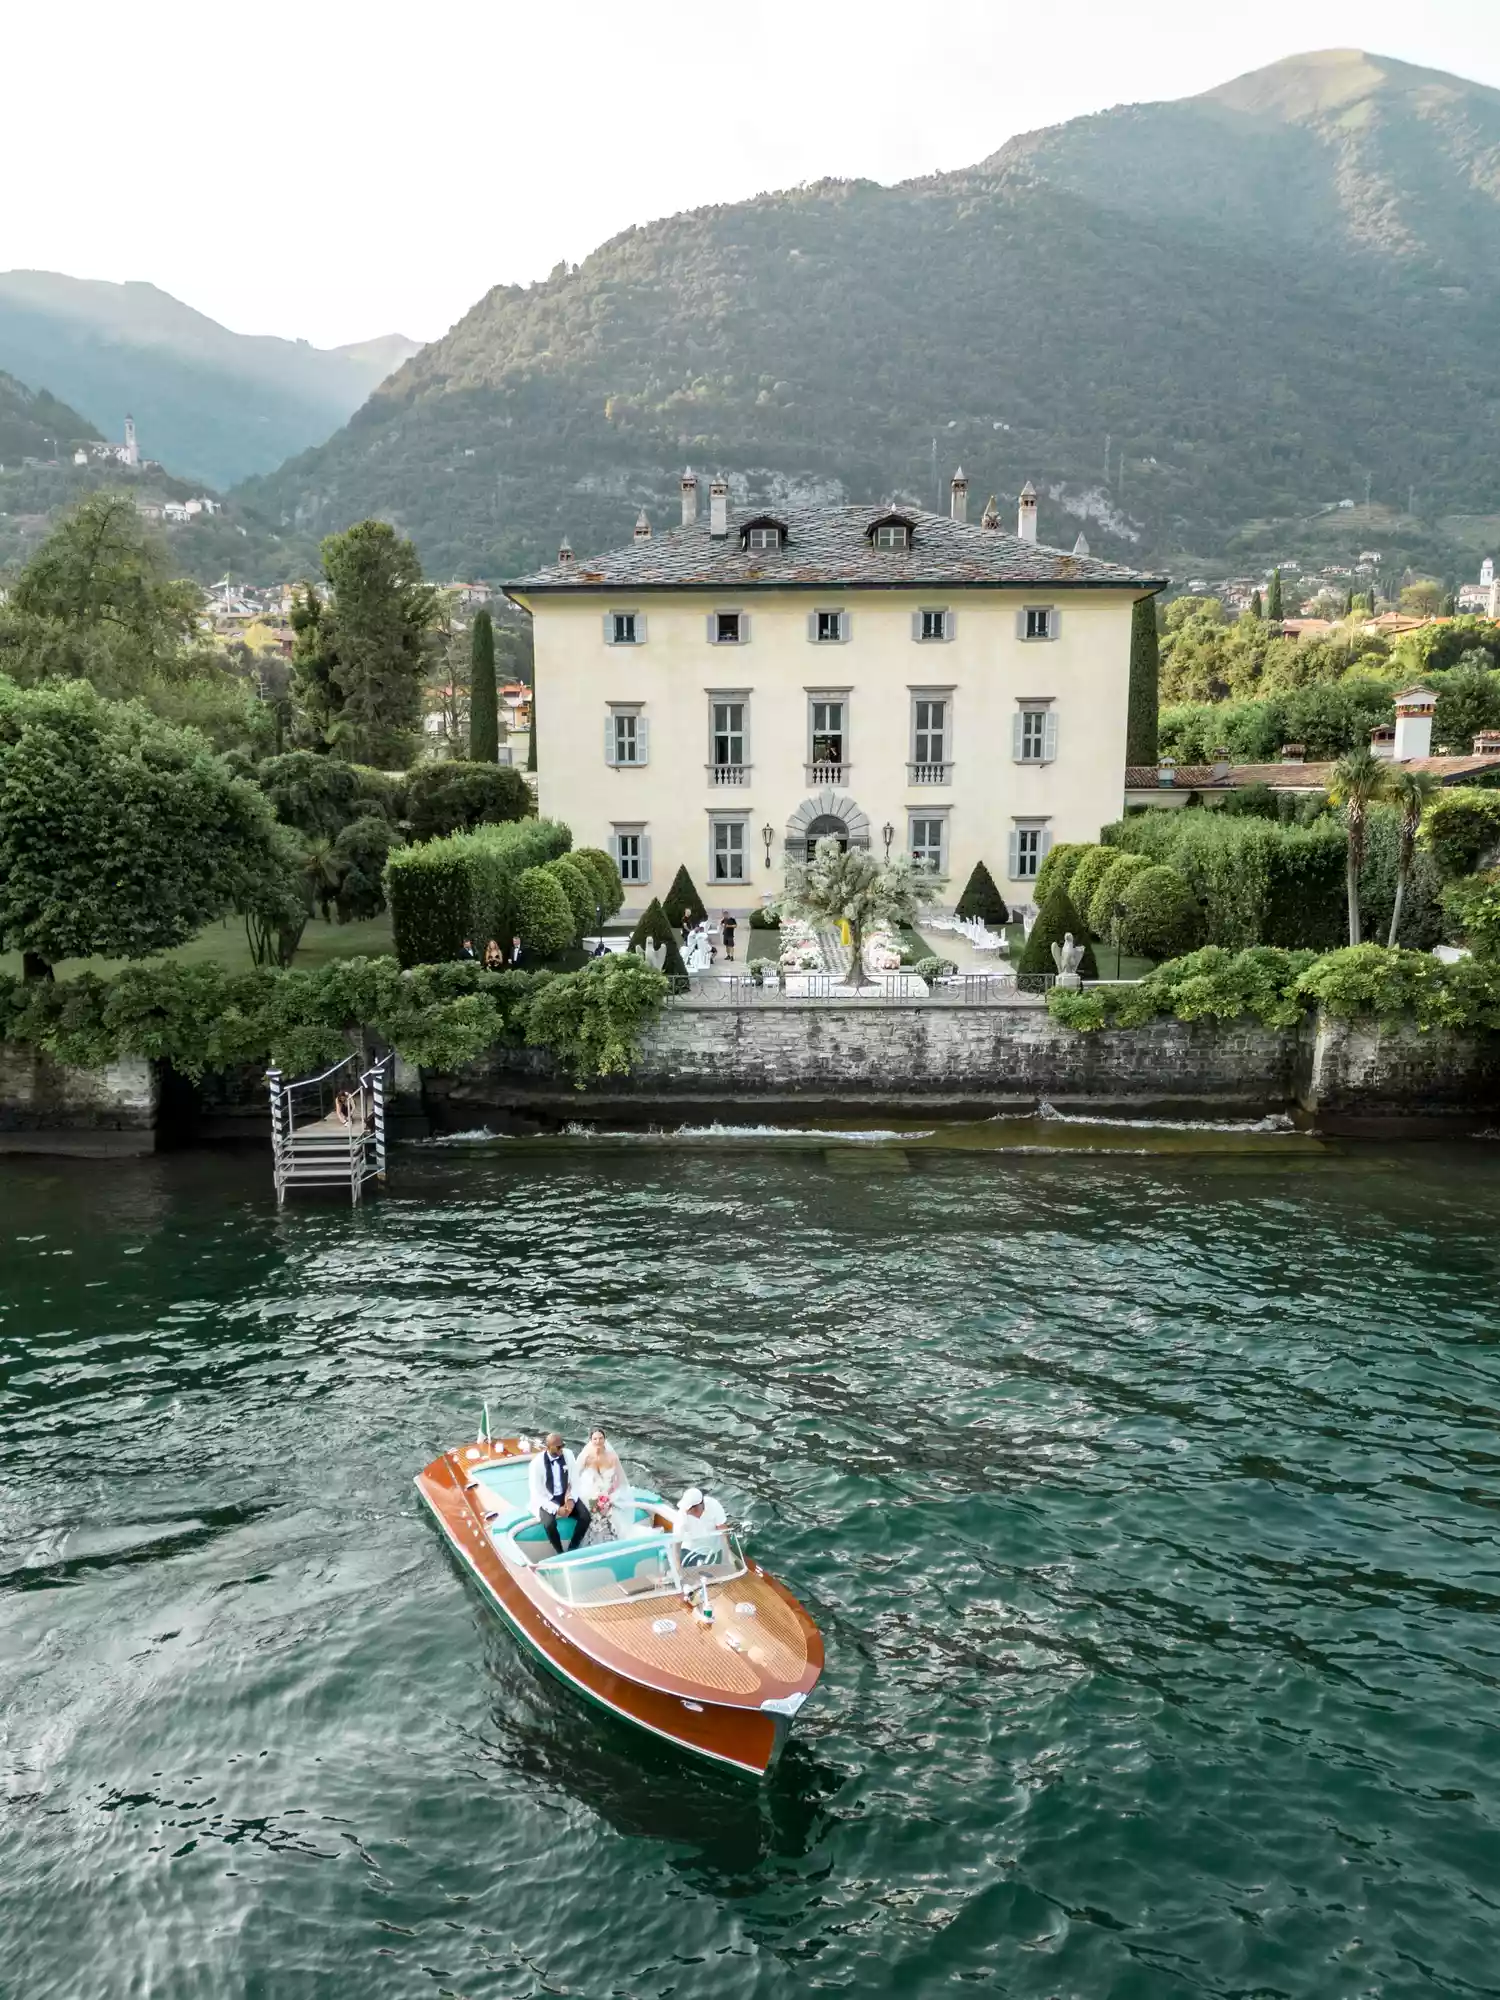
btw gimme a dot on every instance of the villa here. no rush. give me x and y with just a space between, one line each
729 692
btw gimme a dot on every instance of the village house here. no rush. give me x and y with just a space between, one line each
730 692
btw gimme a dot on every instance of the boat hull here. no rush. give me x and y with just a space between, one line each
737 1736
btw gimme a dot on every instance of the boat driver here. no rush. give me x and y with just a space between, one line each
701 1521
554 1492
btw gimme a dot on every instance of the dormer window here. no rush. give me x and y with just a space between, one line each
891 531
757 537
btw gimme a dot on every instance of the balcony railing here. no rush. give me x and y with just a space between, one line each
928 774
729 774
826 774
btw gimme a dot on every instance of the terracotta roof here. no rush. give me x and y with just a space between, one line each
1291 777
830 546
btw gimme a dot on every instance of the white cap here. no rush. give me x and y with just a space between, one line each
692 1498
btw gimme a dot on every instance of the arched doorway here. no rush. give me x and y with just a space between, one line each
828 814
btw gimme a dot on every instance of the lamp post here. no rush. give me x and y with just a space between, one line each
768 834
888 834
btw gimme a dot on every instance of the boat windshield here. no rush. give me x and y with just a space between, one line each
618 1572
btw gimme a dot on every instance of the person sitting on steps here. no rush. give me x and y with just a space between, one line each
554 1492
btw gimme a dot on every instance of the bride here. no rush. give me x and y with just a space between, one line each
604 1489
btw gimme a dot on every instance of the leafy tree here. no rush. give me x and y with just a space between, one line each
1468 700
982 899
848 885
1461 830
102 572
119 835
545 922
317 696
317 795
276 907
484 705
1424 598
1056 919
654 928
1159 916
683 904
361 660
1356 781
1145 677
1473 909
321 873
360 854
1274 612
452 797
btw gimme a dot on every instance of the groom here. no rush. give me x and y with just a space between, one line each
554 1492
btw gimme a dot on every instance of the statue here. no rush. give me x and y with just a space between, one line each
1067 957
698 954
656 955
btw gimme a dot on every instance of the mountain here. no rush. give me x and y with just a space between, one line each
1206 329
36 425
216 406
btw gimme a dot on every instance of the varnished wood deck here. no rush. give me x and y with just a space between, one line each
771 1653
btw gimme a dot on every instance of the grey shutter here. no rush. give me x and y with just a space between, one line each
1049 737
844 623
916 624
744 628
1015 854
1017 726
950 624
645 857
642 740
609 628
812 626
609 739
1054 622
713 628
640 628
1044 845
1021 624
614 851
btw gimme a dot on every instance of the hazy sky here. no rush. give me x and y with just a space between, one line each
336 170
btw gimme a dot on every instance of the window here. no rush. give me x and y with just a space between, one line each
729 628
624 628
763 535
924 843
727 851
1037 621
932 625
892 535
929 730
632 854
1029 841
828 735
728 731
625 738
1034 734
828 628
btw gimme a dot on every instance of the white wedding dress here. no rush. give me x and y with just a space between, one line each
606 1525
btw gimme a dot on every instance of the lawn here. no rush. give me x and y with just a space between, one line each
226 944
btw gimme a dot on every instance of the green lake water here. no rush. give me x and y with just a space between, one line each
1147 1501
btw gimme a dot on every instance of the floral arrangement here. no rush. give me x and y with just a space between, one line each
884 951
800 950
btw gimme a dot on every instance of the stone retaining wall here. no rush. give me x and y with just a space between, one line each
110 1110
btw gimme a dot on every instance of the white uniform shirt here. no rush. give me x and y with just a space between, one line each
542 1501
700 1532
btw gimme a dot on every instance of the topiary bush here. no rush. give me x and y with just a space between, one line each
765 920
1101 912
654 928
360 854
683 905
456 796
1055 919
982 899
443 891
579 887
611 891
1255 882
1088 873
934 968
1159 915
544 918
1058 863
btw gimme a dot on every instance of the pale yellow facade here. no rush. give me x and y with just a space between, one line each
1001 789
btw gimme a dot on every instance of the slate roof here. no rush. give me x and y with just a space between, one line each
827 546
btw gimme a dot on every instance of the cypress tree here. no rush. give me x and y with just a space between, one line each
1257 609
1145 670
683 903
1056 918
982 899
1274 611
654 927
484 703
1348 603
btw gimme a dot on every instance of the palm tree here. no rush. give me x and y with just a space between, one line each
1356 781
322 872
1411 792
849 884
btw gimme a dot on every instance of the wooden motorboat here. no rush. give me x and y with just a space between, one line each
675 1631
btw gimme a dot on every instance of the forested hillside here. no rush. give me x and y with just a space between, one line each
34 424
1201 376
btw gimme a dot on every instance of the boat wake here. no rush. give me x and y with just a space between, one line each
1274 1122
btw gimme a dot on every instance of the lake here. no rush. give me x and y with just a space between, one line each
1146 1499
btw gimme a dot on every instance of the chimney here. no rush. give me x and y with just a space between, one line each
718 507
1414 724
689 498
1166 771
958 502
1081 546
565 553
1383 740
991 516
642 527
1293 753
1221 767
1487 743
1026 513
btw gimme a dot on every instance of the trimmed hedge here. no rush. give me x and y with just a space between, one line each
982 899
610 889
578 885
545 920
1102 910
443 891
1159 916
1058 863
1088 872
1256 883
1461 828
